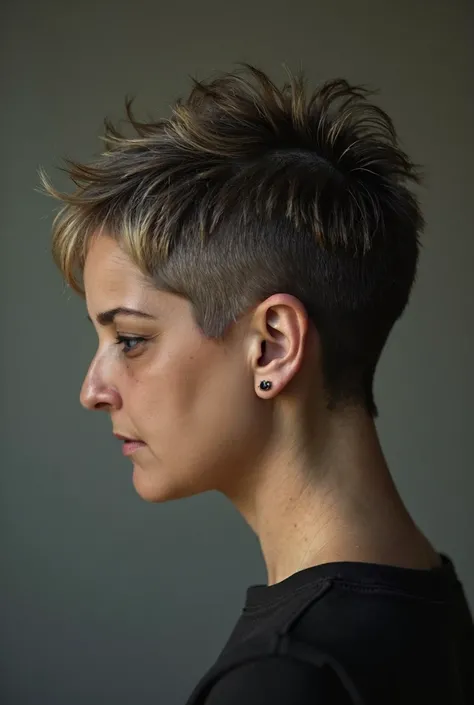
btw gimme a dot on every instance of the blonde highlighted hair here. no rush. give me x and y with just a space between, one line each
248 189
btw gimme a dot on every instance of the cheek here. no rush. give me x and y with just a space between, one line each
199 417
170 395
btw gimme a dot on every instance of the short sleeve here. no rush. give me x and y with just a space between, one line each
278 680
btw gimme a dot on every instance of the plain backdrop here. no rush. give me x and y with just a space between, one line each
104 598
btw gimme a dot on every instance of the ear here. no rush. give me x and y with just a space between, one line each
279 331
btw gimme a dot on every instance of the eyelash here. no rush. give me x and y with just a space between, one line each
121 339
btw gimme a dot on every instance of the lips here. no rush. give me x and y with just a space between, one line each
130 445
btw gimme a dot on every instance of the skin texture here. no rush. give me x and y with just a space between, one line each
312 483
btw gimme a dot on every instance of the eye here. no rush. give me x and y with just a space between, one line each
129 343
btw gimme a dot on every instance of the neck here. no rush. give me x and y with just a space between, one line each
329 500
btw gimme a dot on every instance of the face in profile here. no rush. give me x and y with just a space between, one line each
185 402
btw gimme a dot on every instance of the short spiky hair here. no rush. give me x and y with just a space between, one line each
247 190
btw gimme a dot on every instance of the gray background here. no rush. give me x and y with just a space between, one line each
106 599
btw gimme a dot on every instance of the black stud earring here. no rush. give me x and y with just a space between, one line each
265 385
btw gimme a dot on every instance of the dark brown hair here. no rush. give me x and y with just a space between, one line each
247 190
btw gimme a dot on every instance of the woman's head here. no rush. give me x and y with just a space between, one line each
244 193
195 401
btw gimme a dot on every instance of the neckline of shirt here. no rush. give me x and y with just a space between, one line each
429 583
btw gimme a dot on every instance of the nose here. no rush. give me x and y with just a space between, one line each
97 394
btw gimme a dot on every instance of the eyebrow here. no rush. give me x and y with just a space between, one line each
106 318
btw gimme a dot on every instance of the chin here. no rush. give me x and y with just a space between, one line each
155 487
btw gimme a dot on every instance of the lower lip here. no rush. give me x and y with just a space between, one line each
130 447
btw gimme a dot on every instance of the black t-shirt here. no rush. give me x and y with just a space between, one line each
376 635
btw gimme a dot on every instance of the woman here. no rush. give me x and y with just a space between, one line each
243 262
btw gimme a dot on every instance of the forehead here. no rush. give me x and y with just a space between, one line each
108 268
112 279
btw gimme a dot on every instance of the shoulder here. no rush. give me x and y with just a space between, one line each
278 680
